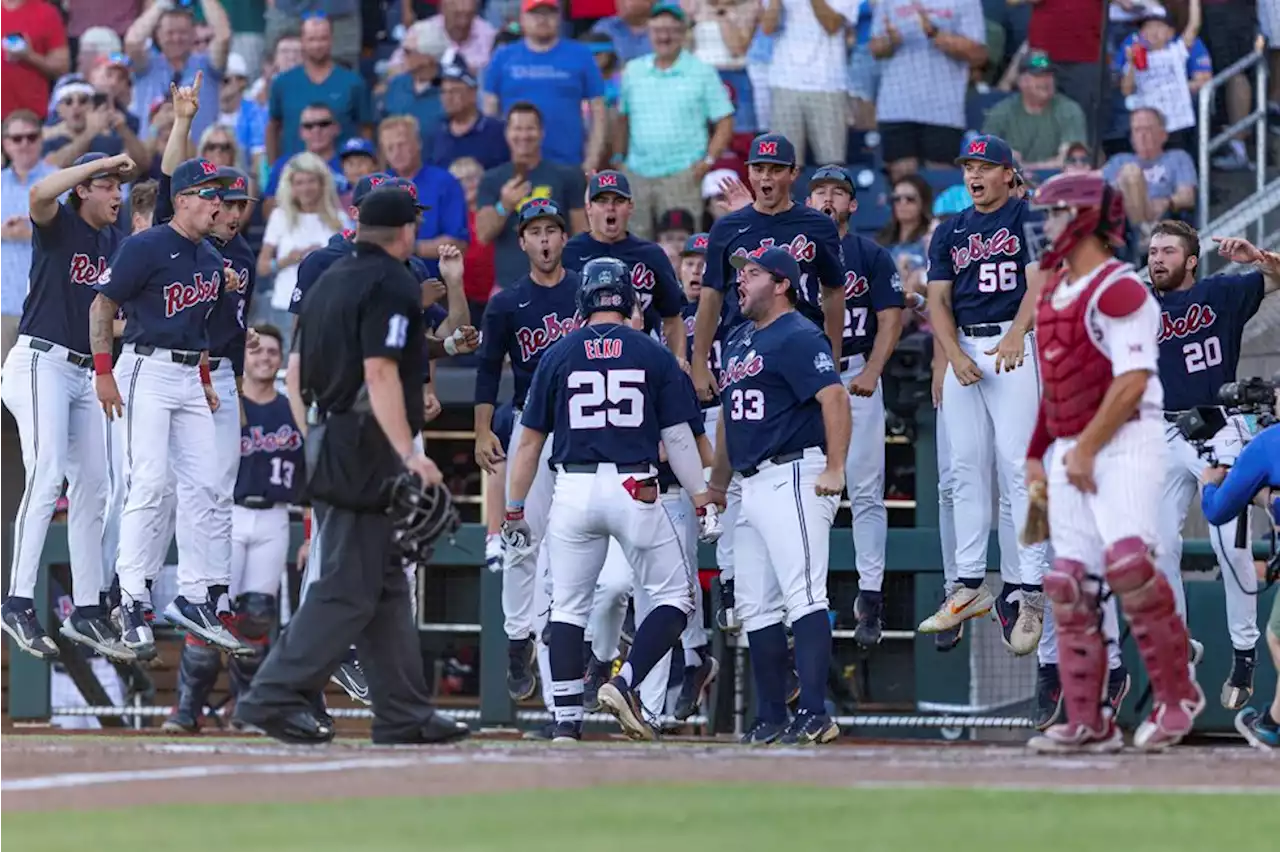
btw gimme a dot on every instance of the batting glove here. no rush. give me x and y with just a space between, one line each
516 533
709 526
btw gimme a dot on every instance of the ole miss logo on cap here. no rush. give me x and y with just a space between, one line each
700 241
239 184
979 147
608 180
208 168
768 149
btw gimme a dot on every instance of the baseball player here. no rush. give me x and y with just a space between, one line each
609 209
784 428
981 309
521 322
608 394
1101 414
1202 323
268 480
873 322
46 385
168 280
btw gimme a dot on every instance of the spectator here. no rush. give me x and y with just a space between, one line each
808 75
306 217
628 29
235 82
1156 183
255 112
505 188
415 92
1078 159
470 36
555 76
160 117
320 131
85 125
927 57
466 132
1230 28
1155 73
909 220
864 72
248 31
715 204
1069 32
1039 124
21 140
359 158
759 60
96 43
477 275
667 101
316 80
290 17
674 229
720 37
173 59
610 69
34 55
218 145
110 76
444 221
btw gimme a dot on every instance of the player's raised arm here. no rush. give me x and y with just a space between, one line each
44 194
1240 250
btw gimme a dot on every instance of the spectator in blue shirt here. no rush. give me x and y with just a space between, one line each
629 29
320 131
445 218
316 80
466 132
416 92
556 76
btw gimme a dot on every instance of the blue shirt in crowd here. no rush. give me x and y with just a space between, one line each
343 91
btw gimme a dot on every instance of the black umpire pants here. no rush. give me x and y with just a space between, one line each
361 597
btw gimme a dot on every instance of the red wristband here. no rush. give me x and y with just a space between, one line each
306 526
102 363
205 378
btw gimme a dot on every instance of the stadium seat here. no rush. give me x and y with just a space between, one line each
942 179
873 200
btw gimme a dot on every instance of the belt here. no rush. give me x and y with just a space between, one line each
780 458
984 330
187 359
592 467
214 363
82 361
1172 416
846 361
256 503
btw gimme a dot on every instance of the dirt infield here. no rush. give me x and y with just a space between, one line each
50 772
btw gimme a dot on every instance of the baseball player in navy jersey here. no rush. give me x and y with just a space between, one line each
609 209
522 322
47 386
1202 323
982 307
607 396
873 322
167 279
784 429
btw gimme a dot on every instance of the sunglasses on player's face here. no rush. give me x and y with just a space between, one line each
205 193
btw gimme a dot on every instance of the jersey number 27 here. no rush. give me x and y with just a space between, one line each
590 389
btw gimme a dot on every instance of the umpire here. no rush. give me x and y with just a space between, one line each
362 344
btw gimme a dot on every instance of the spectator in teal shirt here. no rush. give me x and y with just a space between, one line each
317 80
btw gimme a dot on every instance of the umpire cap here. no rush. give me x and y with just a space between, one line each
388 207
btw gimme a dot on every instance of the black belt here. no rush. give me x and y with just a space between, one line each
187 359
214 363
1172 416
592 467
985 330
82 361
256 503
780 458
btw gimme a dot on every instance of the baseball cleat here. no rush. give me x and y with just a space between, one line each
1118 685
1249 723
201 620
1049 706
136 633
597 675
961 605
696 686
351 678
564 733
1073 738
24 628
620 701
763 733
522 668
726 620
868 610
92 632
1029 624
1169 723
945 640
1007 615
181 722
1238 688
809 729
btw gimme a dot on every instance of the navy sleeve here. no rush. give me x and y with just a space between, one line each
164 200
386 318
540 408
1245 292
434 316
494 334
668 297
717 258
940 267
675 404
309 271
809 367
128 273
886 283
55 230
830 257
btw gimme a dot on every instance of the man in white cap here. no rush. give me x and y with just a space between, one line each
415 92
88 121
235 80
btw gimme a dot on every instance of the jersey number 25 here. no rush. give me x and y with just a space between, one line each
589 390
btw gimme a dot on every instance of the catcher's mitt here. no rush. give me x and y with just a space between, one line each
420 515
1037 526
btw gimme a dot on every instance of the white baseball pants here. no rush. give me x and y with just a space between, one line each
259 549
519 569
864 479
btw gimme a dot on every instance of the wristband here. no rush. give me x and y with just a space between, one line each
205 378
102 363
451 345
515 506
306 526
502 211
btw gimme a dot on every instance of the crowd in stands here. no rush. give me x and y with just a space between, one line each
485 105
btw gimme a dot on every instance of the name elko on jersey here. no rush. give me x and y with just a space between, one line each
261 441
85 271
534 340
1198 318
1002 242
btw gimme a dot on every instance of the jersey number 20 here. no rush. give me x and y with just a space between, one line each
1202 356
746 404
589 390
1002 276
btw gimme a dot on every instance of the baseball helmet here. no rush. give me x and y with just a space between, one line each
1098 210
420 515
606 286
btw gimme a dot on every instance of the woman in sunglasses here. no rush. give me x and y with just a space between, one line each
905 233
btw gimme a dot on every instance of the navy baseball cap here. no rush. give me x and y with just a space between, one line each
832 174
772 148
93 156
388 207
237 184
377 180
608 181
539 208
357 145
776 261
986 148
458 71
696 244
194 172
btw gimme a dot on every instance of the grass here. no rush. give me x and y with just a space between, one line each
779 818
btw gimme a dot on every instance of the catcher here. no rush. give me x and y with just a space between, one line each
1101 411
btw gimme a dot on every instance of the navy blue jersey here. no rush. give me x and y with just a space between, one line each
504 418
226 323
985 258
68 259
651 272
608 391
871 284
811 238
167 285
271 460
1200 331
768 388
690 312
521 322
666 476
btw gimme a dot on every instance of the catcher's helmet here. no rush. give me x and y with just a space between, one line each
1099 211
420 515
606 286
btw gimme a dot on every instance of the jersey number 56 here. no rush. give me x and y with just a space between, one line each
589 390
1002 276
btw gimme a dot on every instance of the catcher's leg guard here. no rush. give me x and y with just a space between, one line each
1150 606
197 674
255 615
1082 650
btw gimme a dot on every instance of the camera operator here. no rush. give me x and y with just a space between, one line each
1201 327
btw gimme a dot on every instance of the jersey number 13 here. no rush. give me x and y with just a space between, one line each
610 398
